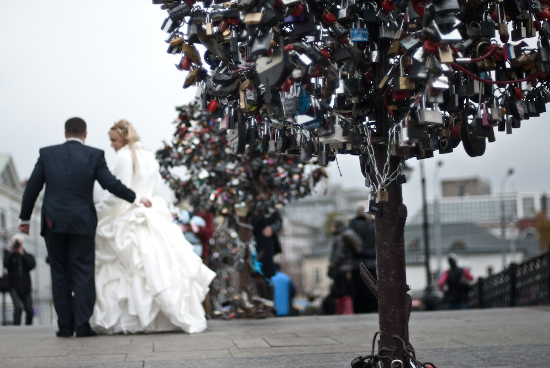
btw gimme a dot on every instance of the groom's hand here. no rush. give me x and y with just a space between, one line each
24 228
145 202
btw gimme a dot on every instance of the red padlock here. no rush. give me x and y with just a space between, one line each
223 25
455 132
329 18
318 70
537 24
388 5
233 20
185 63
325 53
289 47
285 87
494 16
430 46
519 93
546 13
399 95
212 105
297 11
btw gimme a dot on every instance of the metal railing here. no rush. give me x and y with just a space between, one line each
521 284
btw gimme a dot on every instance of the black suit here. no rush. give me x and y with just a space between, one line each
68 224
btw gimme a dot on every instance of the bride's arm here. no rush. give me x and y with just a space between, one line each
123 171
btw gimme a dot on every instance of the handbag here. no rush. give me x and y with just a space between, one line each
4 283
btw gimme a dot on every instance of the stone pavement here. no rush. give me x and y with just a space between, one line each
489 338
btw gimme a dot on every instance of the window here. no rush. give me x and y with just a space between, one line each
316 276
414 245
458 245
2 219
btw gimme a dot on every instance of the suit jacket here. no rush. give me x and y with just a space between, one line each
69 171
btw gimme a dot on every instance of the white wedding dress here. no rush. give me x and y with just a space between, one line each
147 276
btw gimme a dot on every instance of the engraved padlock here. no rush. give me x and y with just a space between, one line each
359 33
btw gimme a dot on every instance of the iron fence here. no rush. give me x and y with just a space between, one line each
521 284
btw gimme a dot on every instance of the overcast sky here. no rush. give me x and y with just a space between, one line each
106 60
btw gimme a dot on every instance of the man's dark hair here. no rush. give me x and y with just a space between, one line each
75 127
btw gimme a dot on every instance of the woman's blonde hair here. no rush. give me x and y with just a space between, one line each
129 135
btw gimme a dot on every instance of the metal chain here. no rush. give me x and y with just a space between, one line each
384 179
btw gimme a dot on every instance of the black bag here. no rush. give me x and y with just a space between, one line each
4 283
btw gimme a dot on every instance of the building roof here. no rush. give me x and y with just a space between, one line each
8 174
460 238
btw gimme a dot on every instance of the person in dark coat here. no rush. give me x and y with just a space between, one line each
266 228
19 264
364 300
346 244
69 221
456 283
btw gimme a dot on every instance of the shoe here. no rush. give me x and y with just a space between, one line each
88 333
63 334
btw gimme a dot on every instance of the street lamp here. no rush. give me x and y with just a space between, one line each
502 216
430 297
437 222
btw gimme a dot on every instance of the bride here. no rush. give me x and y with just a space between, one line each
147 276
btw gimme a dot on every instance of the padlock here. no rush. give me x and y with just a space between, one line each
385 31
488 63
401 82
487 26
253 19
474 30
343 11
290 100
530 28
352 84
418 72
445 54
359 33
445 7
372 53
502 25
519 32
410 42
369 13
428 117
386 77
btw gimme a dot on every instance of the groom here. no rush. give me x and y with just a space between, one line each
69 221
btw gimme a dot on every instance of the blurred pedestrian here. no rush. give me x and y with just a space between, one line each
346 244
456 283
19 264
266 228
364 300
283 292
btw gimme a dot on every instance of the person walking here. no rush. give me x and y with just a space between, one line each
456 283
283 292
69 220
346 244
364 300
148 277
19 264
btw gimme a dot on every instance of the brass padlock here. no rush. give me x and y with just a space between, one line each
394 48
402 82
382 196
446 55
253 18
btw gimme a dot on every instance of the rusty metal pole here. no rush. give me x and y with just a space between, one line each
393 300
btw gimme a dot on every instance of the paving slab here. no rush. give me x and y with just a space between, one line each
489 338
